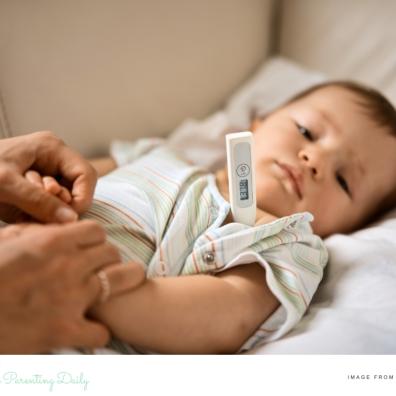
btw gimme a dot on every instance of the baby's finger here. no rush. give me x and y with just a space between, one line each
34 177
64 195
51 185
35 201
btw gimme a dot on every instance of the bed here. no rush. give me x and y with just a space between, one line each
354 309
262 61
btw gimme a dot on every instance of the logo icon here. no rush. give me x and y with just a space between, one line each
243 170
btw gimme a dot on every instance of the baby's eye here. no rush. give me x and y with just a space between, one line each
342 182
305 132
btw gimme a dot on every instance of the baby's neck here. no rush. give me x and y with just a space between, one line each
222 183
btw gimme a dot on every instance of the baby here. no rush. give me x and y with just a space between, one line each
325 163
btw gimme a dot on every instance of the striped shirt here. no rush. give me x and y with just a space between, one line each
168 215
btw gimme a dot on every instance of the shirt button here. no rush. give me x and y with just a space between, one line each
209 257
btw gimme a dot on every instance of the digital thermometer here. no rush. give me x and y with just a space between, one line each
241 177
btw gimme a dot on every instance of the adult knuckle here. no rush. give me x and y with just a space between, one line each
91 171
95 226
112 251
119 279
50 138
45 134
6 176
91 226
49 239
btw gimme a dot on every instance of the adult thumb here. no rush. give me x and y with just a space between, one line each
36 202
92 335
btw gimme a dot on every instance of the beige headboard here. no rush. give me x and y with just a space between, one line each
93 70
343 38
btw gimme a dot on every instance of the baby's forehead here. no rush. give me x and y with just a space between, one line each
344 106
331 92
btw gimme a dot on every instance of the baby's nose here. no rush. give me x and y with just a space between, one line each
314 162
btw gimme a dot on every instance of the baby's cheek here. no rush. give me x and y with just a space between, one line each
332 221
273 199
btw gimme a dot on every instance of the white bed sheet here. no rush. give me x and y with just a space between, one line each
354 309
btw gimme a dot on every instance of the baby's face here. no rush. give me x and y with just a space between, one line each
322 154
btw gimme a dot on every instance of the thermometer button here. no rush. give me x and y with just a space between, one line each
243 170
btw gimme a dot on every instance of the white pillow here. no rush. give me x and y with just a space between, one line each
354 310
277 80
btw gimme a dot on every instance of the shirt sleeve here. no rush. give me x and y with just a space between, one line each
293 273
292 256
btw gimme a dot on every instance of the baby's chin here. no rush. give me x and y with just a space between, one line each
318 230
326 230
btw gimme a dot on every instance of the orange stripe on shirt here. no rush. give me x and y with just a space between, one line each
163 176
121 211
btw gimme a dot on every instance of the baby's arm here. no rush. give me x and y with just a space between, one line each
187 314
192 314
103 165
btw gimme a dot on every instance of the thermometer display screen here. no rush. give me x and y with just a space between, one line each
243 190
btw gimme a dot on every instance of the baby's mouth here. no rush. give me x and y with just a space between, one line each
293 176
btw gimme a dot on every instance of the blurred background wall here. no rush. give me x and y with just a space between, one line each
93 70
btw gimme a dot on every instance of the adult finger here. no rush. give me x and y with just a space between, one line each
96 258
118 279
124 277
51 185
72 239
11 231
83 234
80 176
91 334
34 177
51 156
33 200
65 195
82 192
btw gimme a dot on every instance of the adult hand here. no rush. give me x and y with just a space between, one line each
48 280
47 154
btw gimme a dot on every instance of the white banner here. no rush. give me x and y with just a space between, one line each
197 375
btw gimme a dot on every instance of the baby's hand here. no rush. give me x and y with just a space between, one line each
49 184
